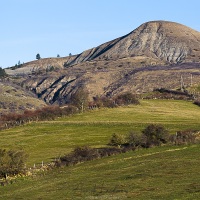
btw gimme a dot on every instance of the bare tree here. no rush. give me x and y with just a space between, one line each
80 99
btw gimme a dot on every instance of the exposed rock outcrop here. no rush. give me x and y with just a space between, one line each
168 41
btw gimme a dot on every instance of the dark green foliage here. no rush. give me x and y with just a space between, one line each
136 139
50 69
152 135
2 73
117 140
38 56
11 162
82 154
156 135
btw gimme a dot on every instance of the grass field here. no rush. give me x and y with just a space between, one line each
46 140
157 173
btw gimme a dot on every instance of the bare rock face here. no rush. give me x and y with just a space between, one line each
168 41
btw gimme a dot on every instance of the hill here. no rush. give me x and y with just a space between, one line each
156 173
154 55
47 139
167 41
14 98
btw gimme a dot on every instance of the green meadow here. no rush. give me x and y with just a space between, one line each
156 173
49 139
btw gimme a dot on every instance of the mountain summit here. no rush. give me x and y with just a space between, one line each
168 41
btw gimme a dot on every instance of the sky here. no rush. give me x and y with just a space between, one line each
52 27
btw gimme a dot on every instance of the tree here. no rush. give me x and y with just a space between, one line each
126 99
58 56
11 162
2 73
156 134
80 99
38 56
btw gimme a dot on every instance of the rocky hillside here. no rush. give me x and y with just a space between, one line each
156 54
167 41
13 98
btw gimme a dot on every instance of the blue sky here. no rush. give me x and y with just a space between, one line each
52 27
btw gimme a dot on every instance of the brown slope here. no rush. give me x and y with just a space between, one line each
124 64
168 41
14 98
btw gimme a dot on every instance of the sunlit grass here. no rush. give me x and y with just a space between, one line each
157 173
46 140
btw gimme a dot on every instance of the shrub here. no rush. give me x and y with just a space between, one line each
197 102
82 154
108 102
117 140
126 99
136 140
79 154
11 162
185 137
155 135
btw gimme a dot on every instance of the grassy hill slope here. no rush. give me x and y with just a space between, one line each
156 173
45 140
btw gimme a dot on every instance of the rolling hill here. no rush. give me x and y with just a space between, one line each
167 172
154 55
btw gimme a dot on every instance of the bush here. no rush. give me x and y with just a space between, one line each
136 140
11 162
82 154
108 102
197 102
155 135
117 140
126 99
185 137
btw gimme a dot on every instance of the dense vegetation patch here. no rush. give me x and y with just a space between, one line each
2 73
12 162
154 135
